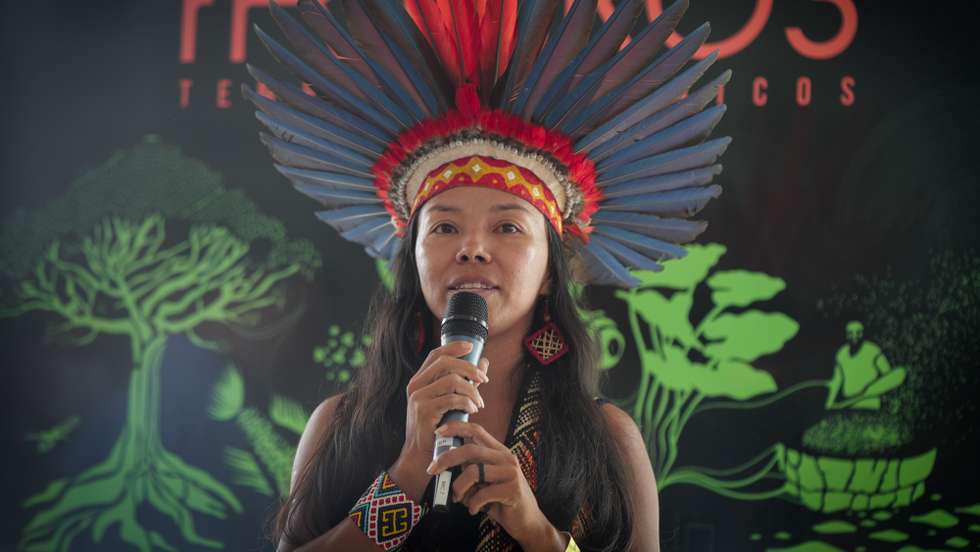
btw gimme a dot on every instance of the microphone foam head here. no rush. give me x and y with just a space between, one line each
466 315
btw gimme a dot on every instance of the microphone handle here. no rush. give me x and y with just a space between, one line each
443 485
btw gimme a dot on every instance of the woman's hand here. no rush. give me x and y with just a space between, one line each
440 385
506 496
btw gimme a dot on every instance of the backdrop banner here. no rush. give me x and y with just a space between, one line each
171 310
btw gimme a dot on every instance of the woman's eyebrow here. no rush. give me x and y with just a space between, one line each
444 208
508 207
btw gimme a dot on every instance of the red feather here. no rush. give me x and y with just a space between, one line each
435 25
468 38
498 26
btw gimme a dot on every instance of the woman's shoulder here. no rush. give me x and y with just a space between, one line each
316 426
324 413
618 420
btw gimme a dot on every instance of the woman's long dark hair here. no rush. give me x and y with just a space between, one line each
368 429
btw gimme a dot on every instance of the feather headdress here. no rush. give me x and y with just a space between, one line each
414 97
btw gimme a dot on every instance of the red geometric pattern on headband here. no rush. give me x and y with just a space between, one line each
470 115
487 172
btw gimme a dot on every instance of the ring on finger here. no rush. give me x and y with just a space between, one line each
483 474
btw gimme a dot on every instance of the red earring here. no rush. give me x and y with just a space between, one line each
547 344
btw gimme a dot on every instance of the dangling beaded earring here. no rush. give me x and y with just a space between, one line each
547 344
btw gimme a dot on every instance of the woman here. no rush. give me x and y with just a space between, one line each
568 151
588 452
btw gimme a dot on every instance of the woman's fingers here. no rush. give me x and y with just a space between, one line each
475 432
423 375
471 453
469 479
445 403
487 496
448 385
437 367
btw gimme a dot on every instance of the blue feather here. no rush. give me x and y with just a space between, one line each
316 15
336 198
602 268
534 18
411 86
316 54
348 217
324 179
296 135
365 233
680 110
294 155
317 127
663 183
610 35
624 65
399 25
668 229
320 109
545 67
328 87
656 75
672 161
689 131
384 243
682 203
627 255
649 105
651 247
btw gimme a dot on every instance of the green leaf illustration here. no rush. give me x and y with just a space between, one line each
288 413
740 288
246 471
749 335
227 396
734 379
670 315
686 272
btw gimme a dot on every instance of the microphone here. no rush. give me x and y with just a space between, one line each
466 320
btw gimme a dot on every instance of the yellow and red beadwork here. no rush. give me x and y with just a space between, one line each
479 170
385 513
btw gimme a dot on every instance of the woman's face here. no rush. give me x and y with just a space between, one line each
487 242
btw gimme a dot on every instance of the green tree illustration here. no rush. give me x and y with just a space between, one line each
688 368
99 260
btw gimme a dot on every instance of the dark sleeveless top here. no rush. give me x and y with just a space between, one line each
455 530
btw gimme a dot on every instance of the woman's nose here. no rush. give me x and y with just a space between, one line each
473 249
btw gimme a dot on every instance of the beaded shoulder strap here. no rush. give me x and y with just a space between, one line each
525 436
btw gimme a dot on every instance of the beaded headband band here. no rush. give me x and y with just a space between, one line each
600 129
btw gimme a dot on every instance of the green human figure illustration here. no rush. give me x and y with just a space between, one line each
100 259
862 373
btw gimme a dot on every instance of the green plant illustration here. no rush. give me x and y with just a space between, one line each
342 353
49 438
99 258
273 455
267 467
688 368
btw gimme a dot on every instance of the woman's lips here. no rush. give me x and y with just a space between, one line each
482 292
